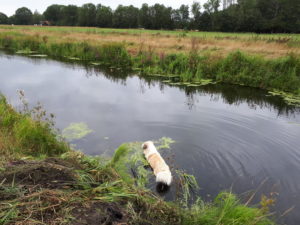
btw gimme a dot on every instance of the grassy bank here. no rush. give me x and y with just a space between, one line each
43 181
194 66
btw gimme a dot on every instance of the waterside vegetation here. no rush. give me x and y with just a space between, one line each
194 67
44 181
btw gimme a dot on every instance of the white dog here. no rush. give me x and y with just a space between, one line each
158 164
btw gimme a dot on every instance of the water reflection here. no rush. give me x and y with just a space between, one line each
229 94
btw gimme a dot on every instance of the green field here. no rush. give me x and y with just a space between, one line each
200 34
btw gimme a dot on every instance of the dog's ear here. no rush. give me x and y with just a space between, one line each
145 146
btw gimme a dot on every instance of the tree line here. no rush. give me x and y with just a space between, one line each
261 16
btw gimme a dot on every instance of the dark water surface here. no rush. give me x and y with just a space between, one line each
229 137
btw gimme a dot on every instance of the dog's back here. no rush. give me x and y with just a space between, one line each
160 168
157 163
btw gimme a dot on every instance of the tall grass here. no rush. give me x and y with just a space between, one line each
237 68
226 209
27 136
111 54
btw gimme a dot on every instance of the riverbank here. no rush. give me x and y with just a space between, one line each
44 181
192 67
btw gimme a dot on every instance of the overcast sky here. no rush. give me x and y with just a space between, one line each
9 6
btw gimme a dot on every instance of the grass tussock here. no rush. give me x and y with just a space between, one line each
23 136
225 209
72 188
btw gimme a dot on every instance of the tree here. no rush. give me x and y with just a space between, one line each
196 11
23 16
212 6
227 19
144 17
176 18
279 15
270 16
181 17
104 16
161 17
69 15
184 16
290 15
87 15
3 18
205 21
126 17
248 17
54 14
11 20
211 13
37 17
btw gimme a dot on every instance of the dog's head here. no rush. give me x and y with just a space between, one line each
148 147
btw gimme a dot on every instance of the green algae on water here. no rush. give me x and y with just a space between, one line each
290 99
73 58
38 55
25 51
206 81
76 131
193 85
155 75
164 143
96 63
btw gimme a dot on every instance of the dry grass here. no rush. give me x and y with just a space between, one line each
269 46
7 144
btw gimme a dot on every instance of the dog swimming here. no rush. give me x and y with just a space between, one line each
160 168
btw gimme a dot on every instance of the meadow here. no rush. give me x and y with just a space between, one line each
267 45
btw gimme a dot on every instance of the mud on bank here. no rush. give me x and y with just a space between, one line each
50 192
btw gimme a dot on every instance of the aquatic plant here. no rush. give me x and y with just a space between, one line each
187 183
164 143
76 131
290 99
